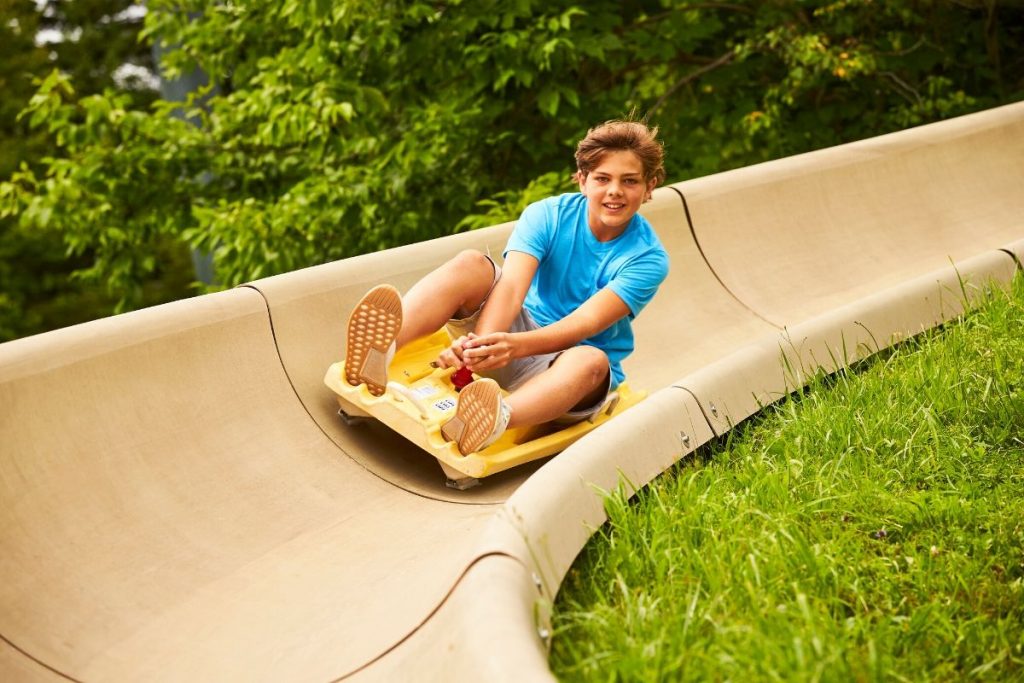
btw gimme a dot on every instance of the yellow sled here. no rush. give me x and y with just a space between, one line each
420 398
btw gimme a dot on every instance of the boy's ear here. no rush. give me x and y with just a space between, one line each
651 184
581 178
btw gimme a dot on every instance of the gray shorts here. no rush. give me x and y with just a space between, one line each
520 370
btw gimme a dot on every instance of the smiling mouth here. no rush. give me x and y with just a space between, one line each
614 207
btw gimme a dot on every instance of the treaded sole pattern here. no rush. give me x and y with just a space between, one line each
372 327
475 417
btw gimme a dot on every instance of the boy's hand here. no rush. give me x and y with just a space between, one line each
489 352
452 356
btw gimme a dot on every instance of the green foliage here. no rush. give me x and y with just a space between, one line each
869 529
18 56
509 204
348 127
84 196
88 40
99 37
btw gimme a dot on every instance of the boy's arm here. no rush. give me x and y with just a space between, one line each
487 351
501 308
505 302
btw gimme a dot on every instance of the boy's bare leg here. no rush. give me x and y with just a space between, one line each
577 377
455 289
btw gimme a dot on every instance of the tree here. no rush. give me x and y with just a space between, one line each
342 128
91 41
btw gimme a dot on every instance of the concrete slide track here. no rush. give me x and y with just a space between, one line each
180 501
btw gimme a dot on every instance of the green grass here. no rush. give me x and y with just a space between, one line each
869 528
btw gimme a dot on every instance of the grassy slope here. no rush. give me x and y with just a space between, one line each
871 528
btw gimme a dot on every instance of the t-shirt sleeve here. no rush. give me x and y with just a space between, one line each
638 281
533 232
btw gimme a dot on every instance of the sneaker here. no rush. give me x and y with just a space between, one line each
373 326
480 418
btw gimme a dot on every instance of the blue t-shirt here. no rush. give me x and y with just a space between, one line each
574 266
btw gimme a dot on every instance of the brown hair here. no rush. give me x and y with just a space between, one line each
617 136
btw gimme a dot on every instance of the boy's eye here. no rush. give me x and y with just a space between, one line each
606 179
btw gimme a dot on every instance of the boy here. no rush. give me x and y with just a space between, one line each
552 325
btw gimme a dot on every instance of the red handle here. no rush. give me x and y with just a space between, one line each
461 378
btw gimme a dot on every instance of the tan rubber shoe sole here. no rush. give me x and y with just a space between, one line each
475 417
373 326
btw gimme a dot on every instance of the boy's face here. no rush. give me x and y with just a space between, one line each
615 189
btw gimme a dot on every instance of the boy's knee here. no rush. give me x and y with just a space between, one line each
469 276
592 361
474 260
